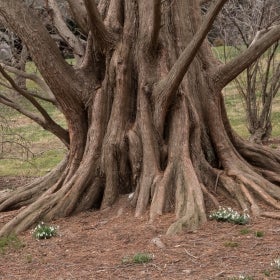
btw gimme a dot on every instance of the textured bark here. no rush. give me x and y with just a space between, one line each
65 33
146 115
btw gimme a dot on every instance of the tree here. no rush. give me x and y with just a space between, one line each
237 25
9 141
145 114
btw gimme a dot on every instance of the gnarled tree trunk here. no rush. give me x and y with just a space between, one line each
146 115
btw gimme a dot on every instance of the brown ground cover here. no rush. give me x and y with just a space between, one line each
100 245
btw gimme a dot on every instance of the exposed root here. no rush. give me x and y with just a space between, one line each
233 191
260 191
112 177
189 208
147 184
273 215
270 176
29 193
259 156
151 157
159 198
210 196
30 215
59 200
244 162
91 196
245 186
254 207
189 201
63 197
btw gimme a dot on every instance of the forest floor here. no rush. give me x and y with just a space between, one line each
102 244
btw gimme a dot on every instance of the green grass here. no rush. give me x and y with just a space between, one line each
138 258
259 234
230 244
276 121
245 231
237 114
10 242
45 150
33 151
36 166
234 103
230 52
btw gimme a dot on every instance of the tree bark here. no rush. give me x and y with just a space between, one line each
152 121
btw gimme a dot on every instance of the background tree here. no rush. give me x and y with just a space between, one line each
9 140
237 26
145 113
13 77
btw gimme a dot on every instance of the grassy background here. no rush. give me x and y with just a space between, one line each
234 104
237 114
41 150
44 150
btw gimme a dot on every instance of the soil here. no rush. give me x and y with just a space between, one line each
101 245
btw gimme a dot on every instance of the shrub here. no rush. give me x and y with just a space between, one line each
138 258
259 233
44 231
230 215
231 244
10 241
142 258
276 263
244 231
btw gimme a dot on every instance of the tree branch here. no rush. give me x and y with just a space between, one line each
101 35
46 122
268 70
80 14
5 99
12 104
38 96
24 93
64 31
233 68
58 74
167 87
114 16
35 78
243 36
275 82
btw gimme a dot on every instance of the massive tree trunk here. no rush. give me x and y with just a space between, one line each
146 115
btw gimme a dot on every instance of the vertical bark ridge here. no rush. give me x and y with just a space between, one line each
189 207
114 157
